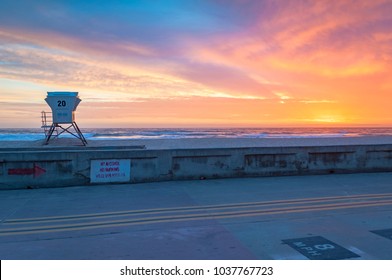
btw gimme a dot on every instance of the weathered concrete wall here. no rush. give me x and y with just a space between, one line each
69 167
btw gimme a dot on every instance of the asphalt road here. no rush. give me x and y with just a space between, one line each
299 217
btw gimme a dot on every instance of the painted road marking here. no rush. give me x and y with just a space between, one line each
319 248
199 213
36 171
201 207
387 233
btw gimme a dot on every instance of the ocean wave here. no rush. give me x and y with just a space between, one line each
155 133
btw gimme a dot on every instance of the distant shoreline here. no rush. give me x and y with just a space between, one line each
201 143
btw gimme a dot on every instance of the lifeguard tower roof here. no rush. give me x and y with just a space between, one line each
62 93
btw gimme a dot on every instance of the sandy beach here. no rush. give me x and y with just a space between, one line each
197 143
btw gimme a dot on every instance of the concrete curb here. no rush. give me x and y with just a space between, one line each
70 166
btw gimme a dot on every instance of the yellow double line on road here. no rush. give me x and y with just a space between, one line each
191 213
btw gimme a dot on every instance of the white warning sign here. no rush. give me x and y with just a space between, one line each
110 170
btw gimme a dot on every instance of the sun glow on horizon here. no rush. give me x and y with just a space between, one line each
328 119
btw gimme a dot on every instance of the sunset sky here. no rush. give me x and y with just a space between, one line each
201 63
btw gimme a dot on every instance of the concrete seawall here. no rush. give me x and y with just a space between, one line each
40 166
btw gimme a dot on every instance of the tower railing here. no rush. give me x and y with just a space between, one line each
46 123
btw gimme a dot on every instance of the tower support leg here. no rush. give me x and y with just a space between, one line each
78 134
50 132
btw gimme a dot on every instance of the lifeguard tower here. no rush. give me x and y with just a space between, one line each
63 105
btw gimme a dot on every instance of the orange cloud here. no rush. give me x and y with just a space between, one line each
267 63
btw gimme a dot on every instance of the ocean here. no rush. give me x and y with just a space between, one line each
32 134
